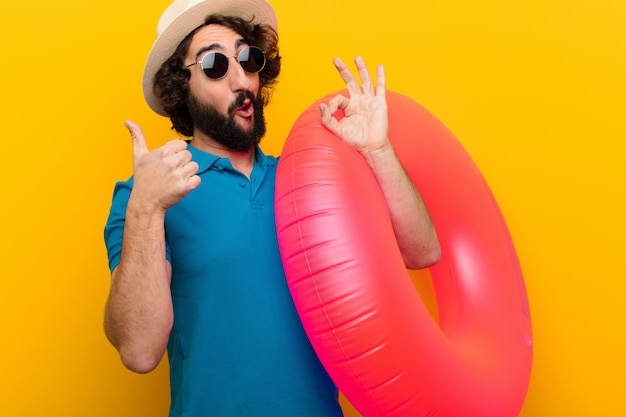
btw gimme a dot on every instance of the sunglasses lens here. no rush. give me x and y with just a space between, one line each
215 65
252 59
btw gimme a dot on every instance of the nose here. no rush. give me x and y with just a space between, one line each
239 78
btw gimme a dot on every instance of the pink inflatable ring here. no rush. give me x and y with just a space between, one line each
356 299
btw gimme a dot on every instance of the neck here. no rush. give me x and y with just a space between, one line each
242 161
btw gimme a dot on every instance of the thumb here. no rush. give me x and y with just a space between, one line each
136 135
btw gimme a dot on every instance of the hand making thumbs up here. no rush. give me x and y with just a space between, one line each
163 176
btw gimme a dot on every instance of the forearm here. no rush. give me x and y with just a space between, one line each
139 316
364 126
411 220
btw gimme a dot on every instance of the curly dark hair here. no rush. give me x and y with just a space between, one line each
171 82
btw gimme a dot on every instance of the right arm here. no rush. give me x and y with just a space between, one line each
139 314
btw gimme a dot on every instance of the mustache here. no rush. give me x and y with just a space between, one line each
238 101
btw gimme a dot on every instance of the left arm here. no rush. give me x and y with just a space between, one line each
365 128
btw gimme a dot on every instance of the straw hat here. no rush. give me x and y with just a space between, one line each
181 18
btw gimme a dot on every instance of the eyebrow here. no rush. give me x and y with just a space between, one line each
217 46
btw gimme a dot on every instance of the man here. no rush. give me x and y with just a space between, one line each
191 236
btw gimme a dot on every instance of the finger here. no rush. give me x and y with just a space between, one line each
347 77
190 169
327 118
185 157
381 83
136 135
364 75
338 102
194 182
177 153
176 145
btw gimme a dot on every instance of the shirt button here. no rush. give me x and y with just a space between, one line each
243 183
220 167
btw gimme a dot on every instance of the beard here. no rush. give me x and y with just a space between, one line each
223 128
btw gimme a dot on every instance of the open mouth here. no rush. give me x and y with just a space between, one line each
246 109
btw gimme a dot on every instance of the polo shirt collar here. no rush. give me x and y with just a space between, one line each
207 160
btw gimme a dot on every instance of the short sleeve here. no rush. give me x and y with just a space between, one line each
114 228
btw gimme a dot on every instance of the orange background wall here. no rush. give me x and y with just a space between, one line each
534 89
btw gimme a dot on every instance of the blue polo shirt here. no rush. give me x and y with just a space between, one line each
237 348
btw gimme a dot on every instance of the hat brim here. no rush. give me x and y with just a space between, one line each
259 10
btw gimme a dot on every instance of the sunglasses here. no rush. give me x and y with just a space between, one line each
215 64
